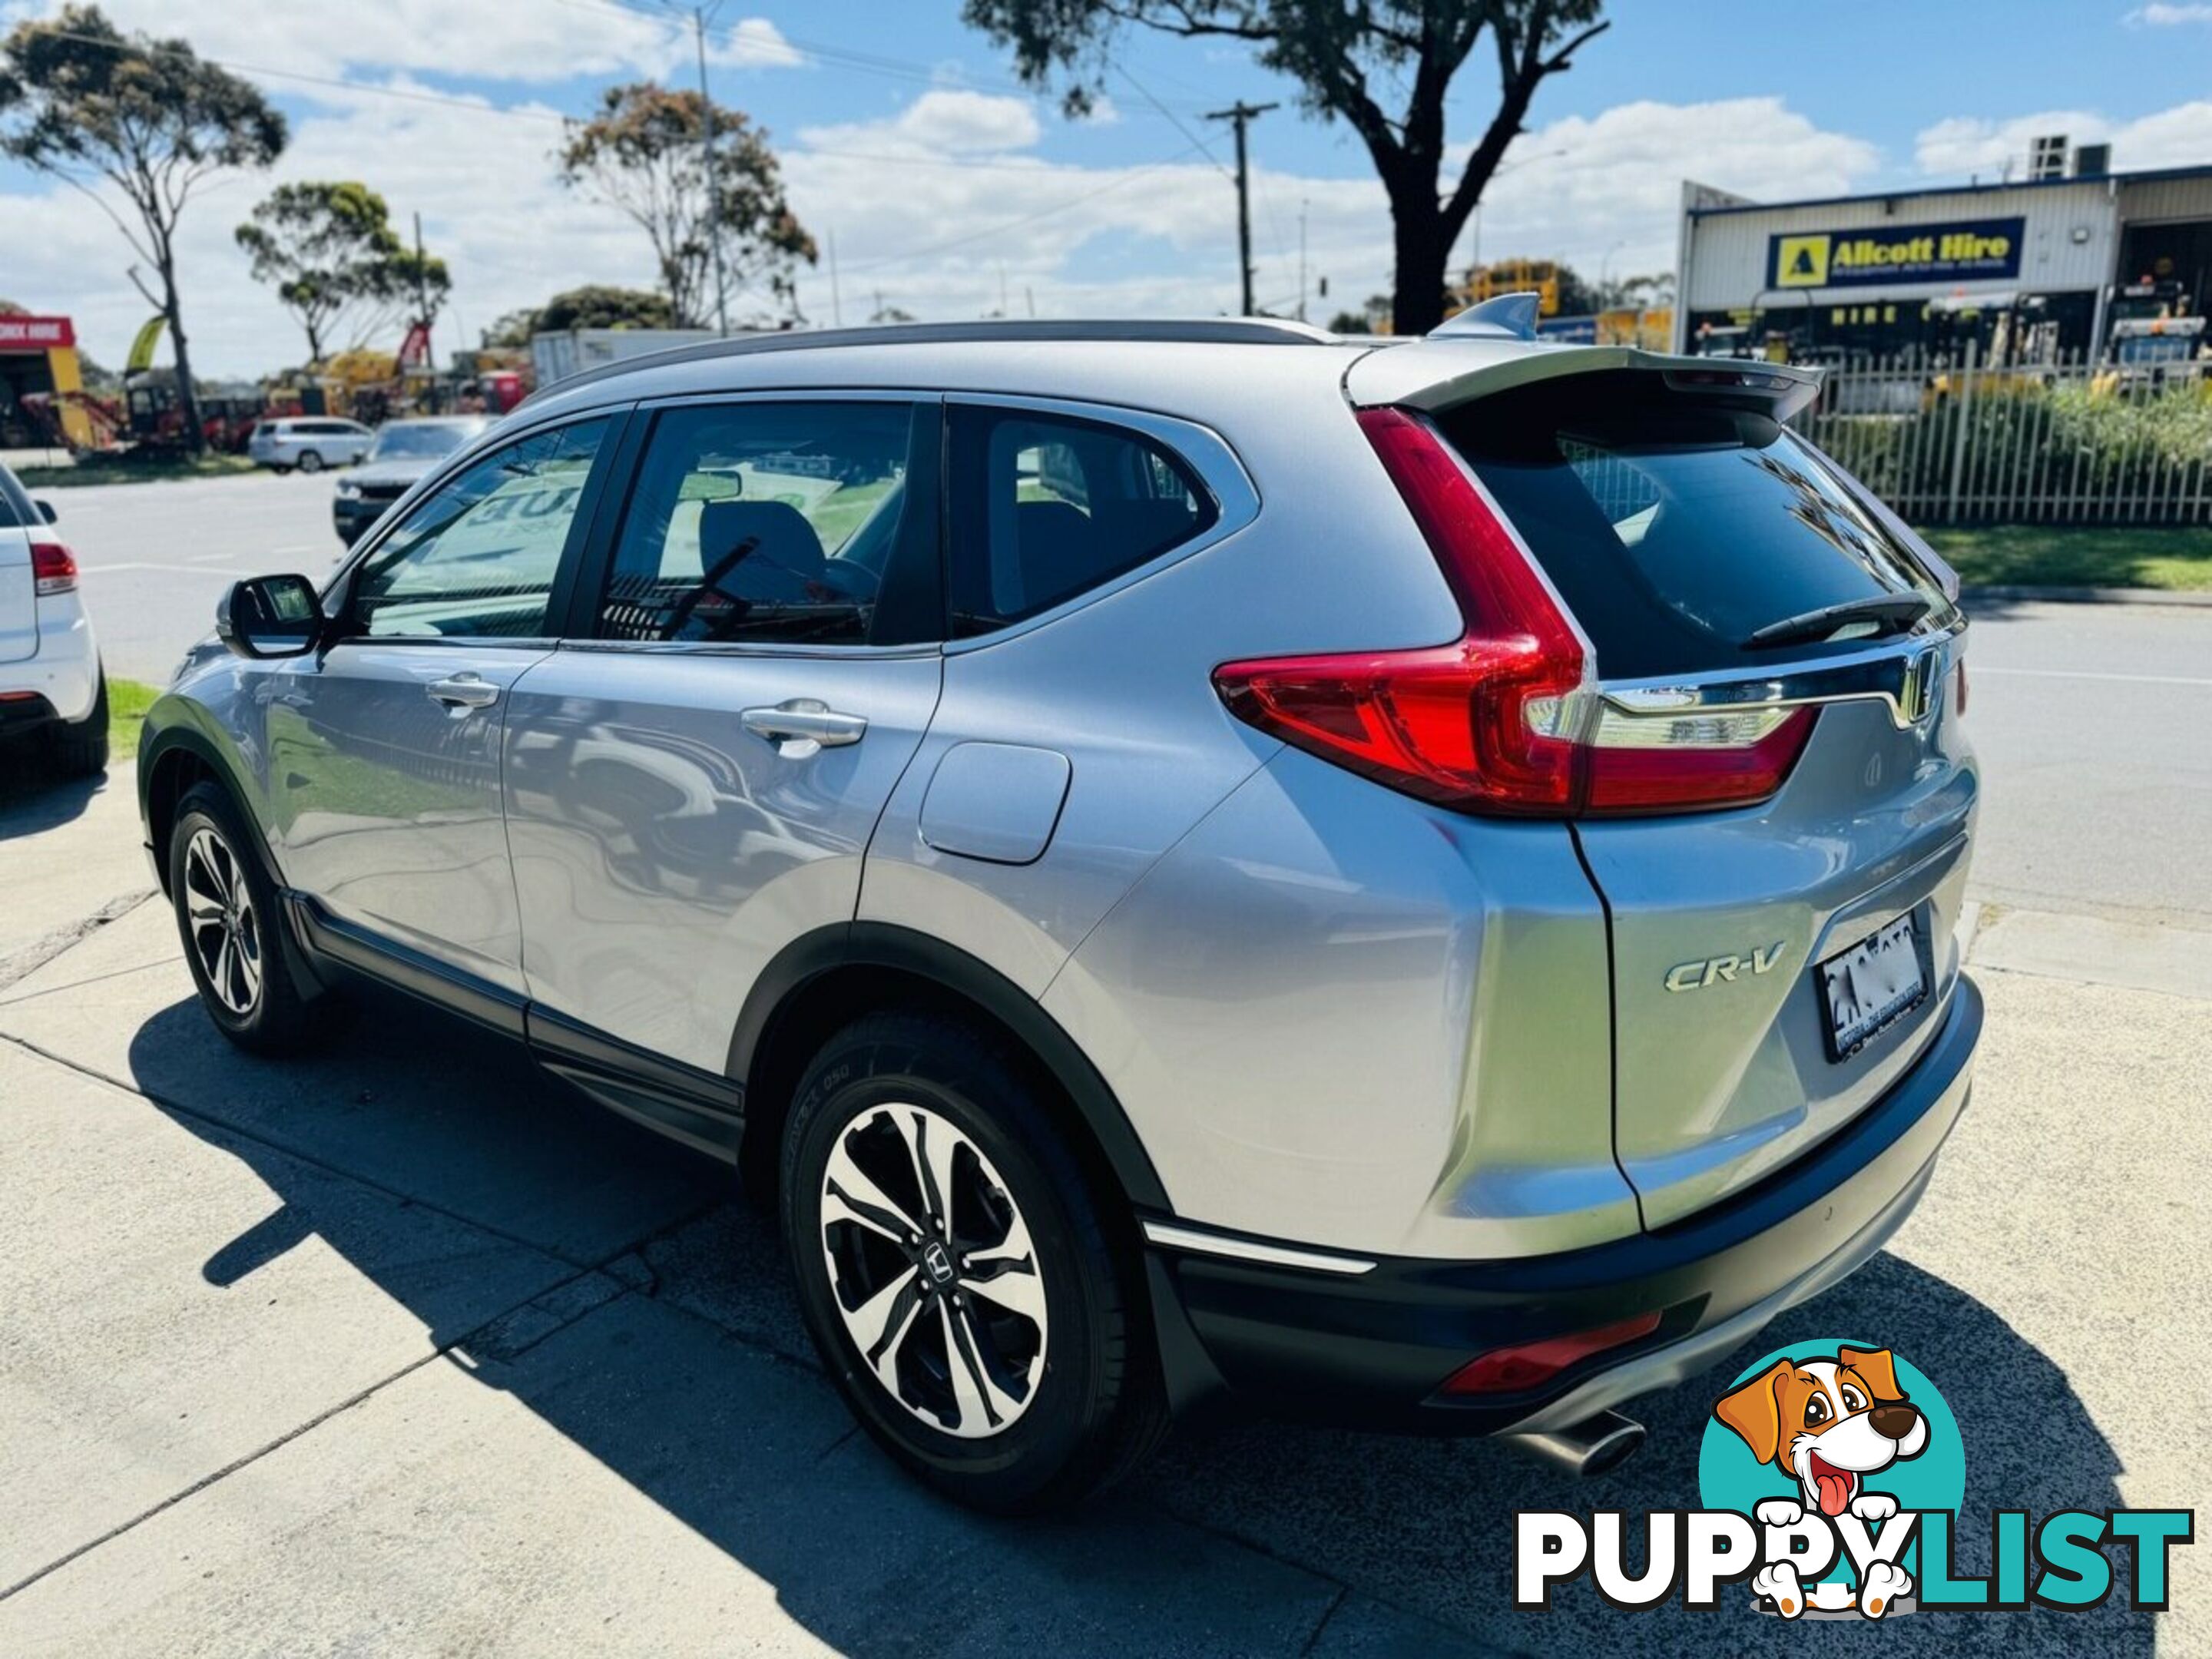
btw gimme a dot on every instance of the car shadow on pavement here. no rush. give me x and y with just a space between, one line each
769 1470
33 797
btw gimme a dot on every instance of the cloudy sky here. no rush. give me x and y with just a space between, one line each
948 190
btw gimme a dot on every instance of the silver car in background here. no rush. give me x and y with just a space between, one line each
1411 883
309 443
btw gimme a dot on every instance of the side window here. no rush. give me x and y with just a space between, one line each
1046 507
768 522
478 559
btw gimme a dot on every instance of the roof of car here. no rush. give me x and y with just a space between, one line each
1192 367
1198 330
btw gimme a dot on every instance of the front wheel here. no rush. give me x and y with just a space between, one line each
955 1273
310 461
226 908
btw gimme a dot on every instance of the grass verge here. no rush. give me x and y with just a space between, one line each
2046 555
146 471
127 703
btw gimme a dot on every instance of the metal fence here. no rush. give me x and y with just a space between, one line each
2070 441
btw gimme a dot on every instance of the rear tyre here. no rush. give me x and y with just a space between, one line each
227 916
78 748
955 1272
310 461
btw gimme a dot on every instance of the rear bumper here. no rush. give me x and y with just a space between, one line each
61 682
1372 1348
24 712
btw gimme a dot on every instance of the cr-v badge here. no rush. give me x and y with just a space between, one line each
1696 975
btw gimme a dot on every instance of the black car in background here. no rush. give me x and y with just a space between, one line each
402 452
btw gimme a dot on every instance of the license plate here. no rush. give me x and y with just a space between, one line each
1873 985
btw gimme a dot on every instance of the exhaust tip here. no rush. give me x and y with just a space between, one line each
1585 1449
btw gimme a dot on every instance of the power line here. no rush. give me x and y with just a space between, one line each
475 106
1146 92
901 68
1127 179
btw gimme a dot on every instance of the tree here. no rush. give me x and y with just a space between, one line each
1371 318
82 101
1348 57
596 306
336 264
644 155
510 331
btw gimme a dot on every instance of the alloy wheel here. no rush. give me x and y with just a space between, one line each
220 921
932 1270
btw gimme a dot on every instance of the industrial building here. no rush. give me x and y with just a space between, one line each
2030 268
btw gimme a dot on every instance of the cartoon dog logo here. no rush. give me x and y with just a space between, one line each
1830 1422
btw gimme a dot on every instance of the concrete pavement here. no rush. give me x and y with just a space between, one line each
401 1348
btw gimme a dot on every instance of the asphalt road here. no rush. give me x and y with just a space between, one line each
157 557
2095 721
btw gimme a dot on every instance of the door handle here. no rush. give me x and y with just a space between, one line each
463 691
804 726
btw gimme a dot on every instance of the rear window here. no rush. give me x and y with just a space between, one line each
1674 528
1046 507
16 508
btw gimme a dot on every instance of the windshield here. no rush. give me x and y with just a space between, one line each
425 441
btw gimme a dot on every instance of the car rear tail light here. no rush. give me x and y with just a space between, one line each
1505 719
1531 1365
53 570
1962 686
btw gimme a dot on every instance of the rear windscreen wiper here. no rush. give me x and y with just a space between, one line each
1899 612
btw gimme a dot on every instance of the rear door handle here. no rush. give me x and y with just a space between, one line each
804 726
463 691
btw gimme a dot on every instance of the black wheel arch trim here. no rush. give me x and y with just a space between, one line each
883 944
189 739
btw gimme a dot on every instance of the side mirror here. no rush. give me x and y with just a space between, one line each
46 511
270 616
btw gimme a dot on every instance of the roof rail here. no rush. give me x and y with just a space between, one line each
1205 330
1506 317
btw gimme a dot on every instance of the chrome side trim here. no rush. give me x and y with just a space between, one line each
1908 678
1192 1239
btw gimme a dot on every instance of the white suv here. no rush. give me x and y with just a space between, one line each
49 677
310 443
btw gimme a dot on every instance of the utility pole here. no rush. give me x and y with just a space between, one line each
699 15
1240 115
422 311
836 305
1301 259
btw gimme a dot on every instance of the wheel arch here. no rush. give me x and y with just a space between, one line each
171 764
825 979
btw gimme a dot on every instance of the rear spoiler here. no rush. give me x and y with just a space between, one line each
1434 374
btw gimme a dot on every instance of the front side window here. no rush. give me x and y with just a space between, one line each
1047 507
478 559
761 522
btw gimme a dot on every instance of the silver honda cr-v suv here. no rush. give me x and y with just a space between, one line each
1411 882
